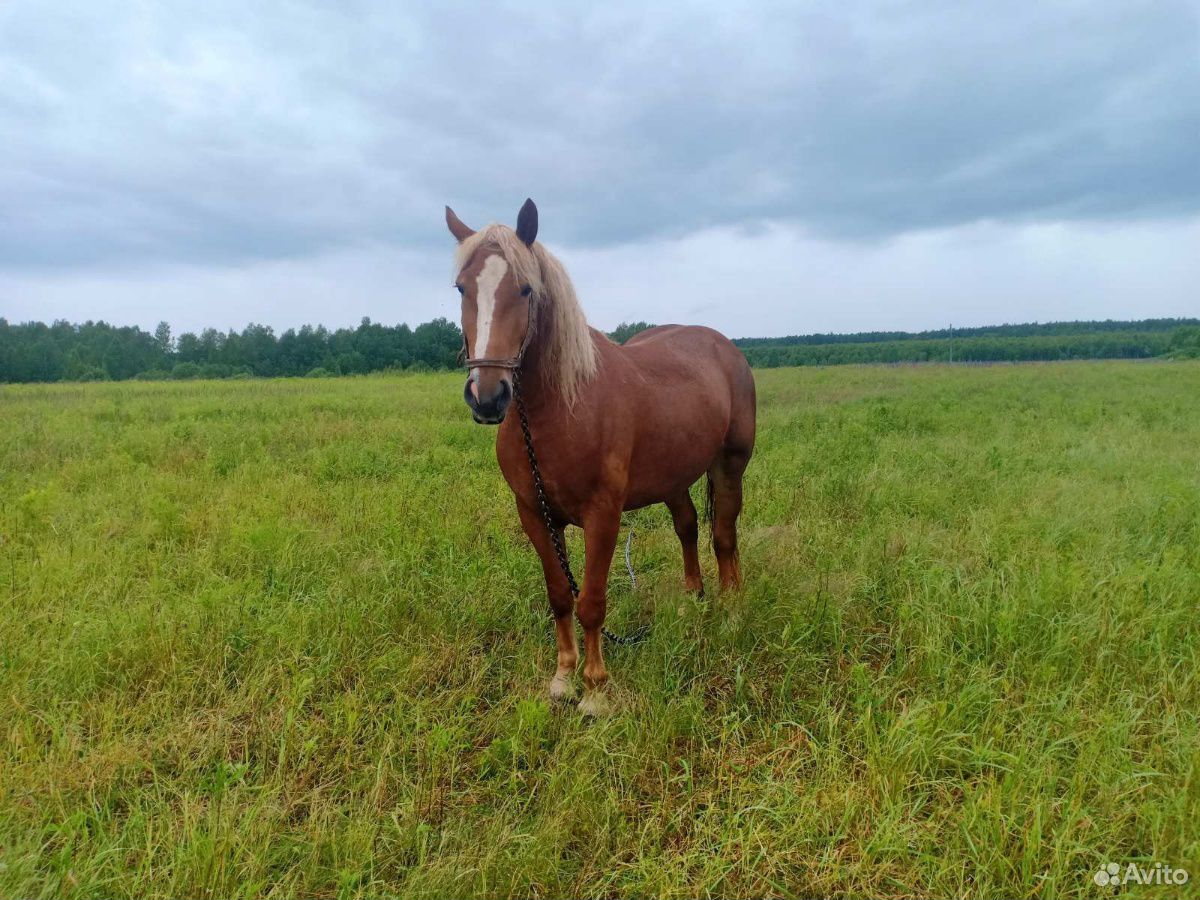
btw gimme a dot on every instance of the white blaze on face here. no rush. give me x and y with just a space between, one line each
494 269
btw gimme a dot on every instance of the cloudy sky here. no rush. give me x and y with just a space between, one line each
765 169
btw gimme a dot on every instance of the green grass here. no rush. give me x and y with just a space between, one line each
286 638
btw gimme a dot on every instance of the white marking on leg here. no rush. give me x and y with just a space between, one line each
561 687
494 268
596 704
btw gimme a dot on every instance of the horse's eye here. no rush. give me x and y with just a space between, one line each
459 288
526 291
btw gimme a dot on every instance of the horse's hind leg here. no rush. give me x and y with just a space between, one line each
725 504
683 511
725 479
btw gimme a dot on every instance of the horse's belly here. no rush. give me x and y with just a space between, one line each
668 468
680 433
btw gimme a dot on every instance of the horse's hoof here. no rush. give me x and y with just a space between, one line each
596 705
561 689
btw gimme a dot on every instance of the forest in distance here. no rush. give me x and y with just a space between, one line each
98 351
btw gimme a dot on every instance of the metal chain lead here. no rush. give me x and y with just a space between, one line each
556 535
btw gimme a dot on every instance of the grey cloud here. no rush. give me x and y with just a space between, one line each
261 131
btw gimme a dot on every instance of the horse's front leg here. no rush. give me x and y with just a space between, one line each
600 529
562 602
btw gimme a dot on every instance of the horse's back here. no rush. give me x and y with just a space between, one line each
657 332
680 335
694 356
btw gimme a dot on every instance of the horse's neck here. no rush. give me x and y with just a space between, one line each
538 389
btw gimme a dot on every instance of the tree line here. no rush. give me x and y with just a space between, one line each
1028 348
33 351
1023 329
62 351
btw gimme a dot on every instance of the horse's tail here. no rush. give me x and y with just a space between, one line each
708 499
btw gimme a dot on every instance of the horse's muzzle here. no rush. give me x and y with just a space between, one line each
488 410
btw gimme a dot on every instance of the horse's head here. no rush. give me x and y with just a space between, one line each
496 319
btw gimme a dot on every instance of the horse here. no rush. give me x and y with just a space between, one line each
615 427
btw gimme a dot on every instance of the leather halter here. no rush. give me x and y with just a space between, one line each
494 362
485 362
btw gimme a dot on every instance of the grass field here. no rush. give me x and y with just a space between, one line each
286 638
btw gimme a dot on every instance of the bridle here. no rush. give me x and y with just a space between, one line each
513 364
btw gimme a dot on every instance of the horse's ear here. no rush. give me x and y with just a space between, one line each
527 223
460 231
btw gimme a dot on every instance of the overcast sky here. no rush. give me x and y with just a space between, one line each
765 169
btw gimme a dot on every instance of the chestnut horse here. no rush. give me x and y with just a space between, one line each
614 427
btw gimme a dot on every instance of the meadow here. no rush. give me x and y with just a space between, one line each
286 638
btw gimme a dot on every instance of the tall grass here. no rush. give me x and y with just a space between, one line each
286 638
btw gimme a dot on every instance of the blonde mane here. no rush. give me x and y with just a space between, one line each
568 354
